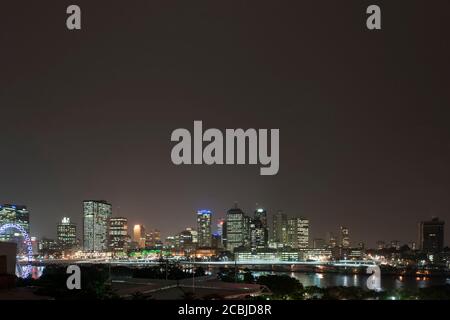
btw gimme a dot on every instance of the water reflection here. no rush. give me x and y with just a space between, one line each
36 272
317 279
323 280
388 282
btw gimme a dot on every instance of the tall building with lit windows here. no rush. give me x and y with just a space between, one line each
345 237
15 214
259 234
204 228
235 228
280 228
298 233
96 214
153 238
220 227
118 235
187 240
139 235
431 235
261 215
66 234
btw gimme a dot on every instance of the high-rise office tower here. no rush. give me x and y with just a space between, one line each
204 228
361 245
247 231
96 214
258 235
216 241
187 239
345 237
153 238
224 233
431 235
139 235
261 215
280 228
15 214
118 235
194 235
171 242
235 227
220 226
331 240
66 234
298 233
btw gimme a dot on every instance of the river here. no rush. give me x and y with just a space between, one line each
388 282
324 280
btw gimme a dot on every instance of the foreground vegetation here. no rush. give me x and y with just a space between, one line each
96 284
96 280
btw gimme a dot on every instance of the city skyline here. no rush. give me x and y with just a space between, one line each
362 115
337 233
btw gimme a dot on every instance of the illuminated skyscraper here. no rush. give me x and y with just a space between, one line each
14 214
331 240
259 234
220 226
247 231
298 233
431 235
235 228
153 238
261 215
280 228
118 235
96 214
345 237
204 228
67 234
139 235
187 240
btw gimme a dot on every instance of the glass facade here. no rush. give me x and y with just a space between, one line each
96 216
204 228
118 234
431 235
67 234
235 228
298 233
345 237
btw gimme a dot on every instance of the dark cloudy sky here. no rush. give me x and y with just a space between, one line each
363 116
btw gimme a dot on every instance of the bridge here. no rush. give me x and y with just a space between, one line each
339 263
136 262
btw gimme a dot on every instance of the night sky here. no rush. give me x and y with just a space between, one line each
363 115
